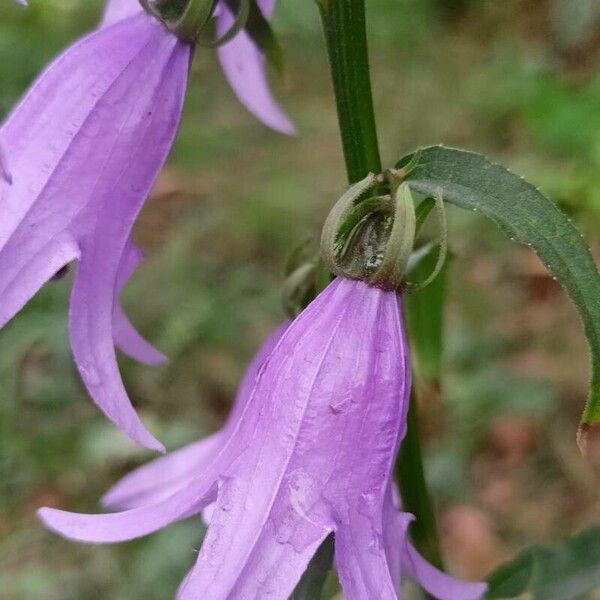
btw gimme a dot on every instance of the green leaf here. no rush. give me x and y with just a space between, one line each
563 571
424 319
470 181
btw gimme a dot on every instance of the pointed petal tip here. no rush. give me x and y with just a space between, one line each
111 500
284 126
152 443
58 521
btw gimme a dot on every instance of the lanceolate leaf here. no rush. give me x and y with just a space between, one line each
470 181
563 571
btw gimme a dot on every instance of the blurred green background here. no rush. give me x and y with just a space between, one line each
515 79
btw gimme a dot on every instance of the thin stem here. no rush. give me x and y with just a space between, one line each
414 492
345 33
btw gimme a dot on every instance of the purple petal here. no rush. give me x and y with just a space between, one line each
404 559
128 340
267 7
136 146
131 524
254 368
161 477
244 67
86 144
311 452
23 273
395 531
272 571
437 583
298 460
362 564
117 10
125 336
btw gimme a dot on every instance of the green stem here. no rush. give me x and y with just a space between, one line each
346 36
344 25
414 492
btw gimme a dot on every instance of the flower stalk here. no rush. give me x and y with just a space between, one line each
344 25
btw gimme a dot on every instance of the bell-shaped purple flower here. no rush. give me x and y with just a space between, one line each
308 451
78 157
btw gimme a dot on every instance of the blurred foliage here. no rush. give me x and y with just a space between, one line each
563 571
502 78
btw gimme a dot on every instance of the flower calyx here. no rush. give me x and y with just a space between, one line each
189 19
370 232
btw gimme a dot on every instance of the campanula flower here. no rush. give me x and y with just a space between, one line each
78 157
308 452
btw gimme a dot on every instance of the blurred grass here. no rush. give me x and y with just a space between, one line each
498 77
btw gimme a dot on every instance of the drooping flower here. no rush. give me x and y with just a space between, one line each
78 157
309 451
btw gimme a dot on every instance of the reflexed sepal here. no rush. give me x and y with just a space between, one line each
184 18
370 232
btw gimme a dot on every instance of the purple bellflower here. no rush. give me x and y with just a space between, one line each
78 157
308 451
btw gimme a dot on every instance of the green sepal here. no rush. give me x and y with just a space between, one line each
391 271
184 18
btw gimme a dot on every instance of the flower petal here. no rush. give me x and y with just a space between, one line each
164 476
362 563
244 67
25 269
129 340
267 7
117 10
154 481
435 582
395 533
122 163
53 132
125 336
273 569
404 559
128 525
